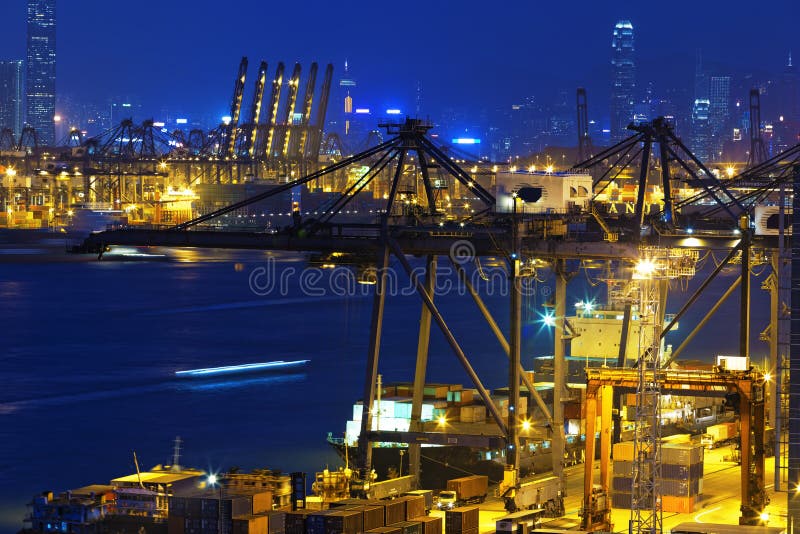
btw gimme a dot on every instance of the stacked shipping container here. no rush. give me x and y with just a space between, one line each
404 515
464 520
681 476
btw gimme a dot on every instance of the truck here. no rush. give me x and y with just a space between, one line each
541 493
464 490
720 434
427 494
385 489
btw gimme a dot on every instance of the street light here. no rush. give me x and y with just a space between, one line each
402 452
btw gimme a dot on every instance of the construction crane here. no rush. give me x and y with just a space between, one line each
255 111
272 109
584 141
758 153
308 101
322 109
231 129
288 113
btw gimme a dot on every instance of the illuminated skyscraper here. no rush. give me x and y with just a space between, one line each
346 83
790 89
701 130
40 80
719 90
623 80
11 96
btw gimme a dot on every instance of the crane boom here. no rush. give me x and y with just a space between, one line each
272 109
291 102
236 107
308 102
322 109
255 109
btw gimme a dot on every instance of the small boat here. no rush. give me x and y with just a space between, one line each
262 367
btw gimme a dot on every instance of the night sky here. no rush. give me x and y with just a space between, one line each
182 55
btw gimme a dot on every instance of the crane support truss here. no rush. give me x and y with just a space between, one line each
646 516
750 387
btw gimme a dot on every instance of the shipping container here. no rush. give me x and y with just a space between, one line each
622 451
253 524
344 522
415 506
373 516
385 530
410 527
681 505
623 500
436 391
395 511
623 484
680 488
315 522
622 468
469 489
675 472
295 521
459 520
430 525
348 503
427 497
475 413
261 502
276 522
681 454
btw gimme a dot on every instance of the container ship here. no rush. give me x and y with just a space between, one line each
455 409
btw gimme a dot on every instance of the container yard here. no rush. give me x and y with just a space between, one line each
589 443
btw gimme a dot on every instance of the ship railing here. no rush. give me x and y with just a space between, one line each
335 441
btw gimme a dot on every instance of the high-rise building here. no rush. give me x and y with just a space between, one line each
719 90
700 78
701 129
790 98
40 80
11 96
623 80
346 84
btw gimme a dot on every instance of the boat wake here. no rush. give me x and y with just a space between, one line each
260 367
246 304
216 384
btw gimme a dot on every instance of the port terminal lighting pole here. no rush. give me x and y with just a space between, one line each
376 328
559 371
744 333
414 449
793 495
512 452
646 515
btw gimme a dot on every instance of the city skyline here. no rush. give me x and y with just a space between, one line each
180 69
40 68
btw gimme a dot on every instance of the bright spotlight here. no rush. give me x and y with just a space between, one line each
548 319
212 479
645 268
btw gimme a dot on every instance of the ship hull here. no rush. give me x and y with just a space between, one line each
440 464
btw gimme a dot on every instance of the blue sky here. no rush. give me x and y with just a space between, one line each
184 53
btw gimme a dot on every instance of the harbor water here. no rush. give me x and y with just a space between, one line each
89 351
